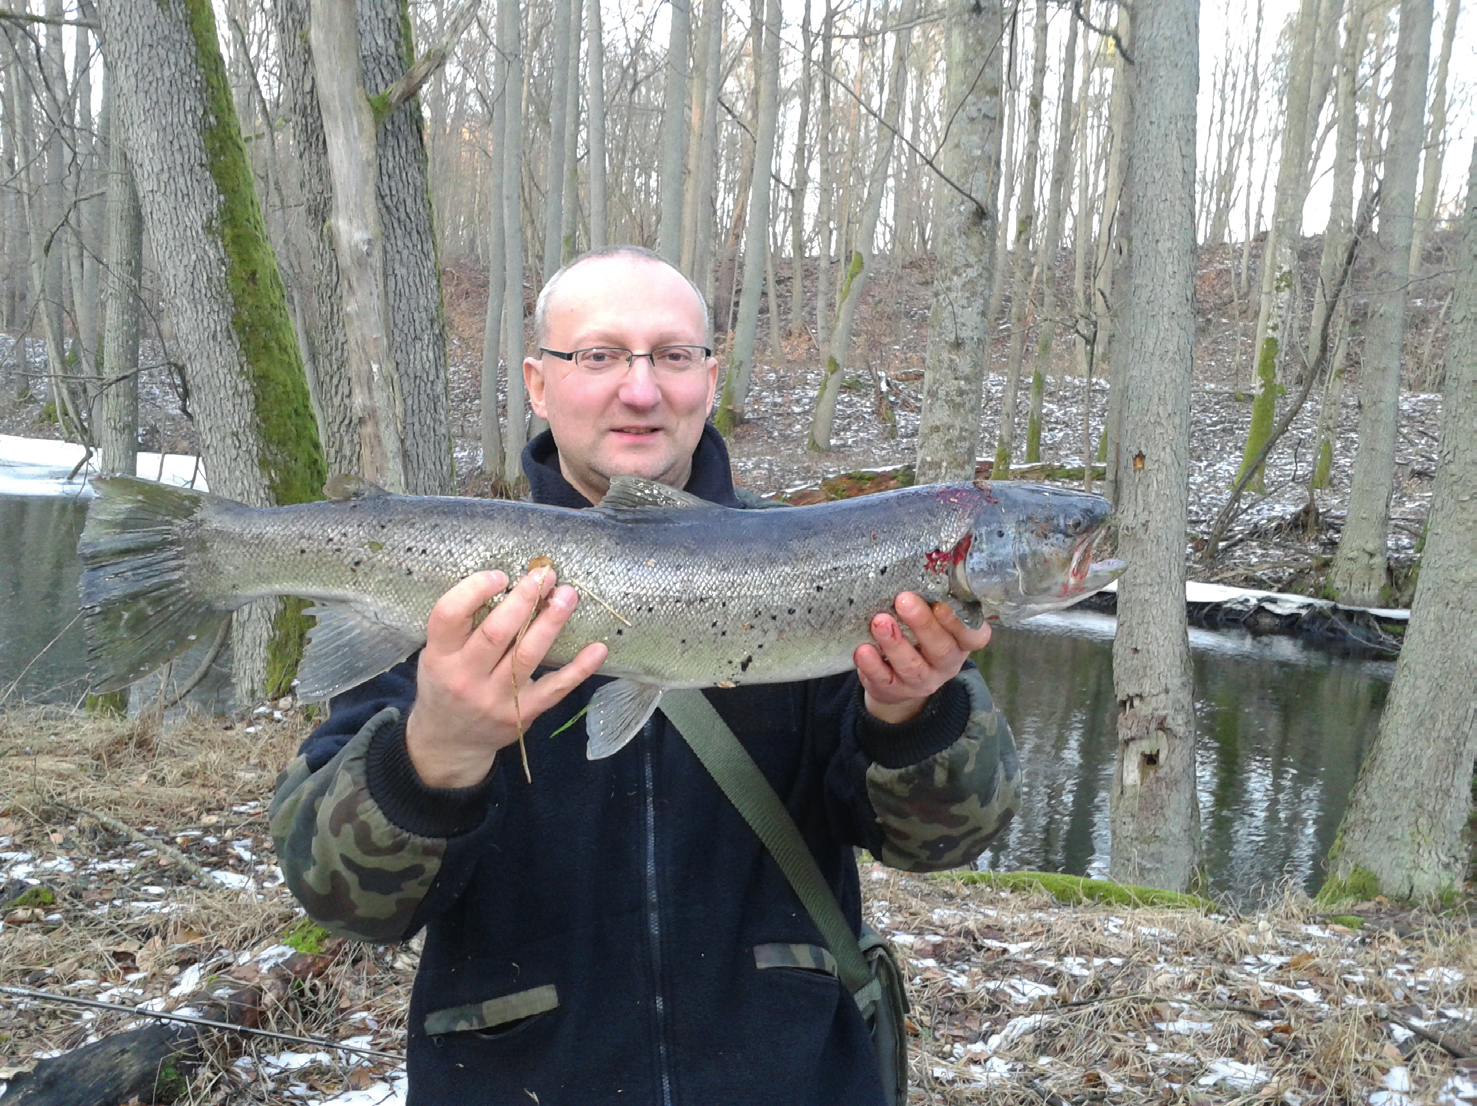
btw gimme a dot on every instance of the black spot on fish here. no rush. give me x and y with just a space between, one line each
409 573
723 633
819 588
774 618
714 626
744 664
790 611
619 632
302 550
358 563
851 602
1000 533
880 572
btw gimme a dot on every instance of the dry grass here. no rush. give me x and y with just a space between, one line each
1016 997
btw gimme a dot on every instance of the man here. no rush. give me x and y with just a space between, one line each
592 934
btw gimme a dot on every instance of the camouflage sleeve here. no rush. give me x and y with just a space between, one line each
942 811
356 872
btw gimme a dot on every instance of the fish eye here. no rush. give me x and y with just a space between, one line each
1076 525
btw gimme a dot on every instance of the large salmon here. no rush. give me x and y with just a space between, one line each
685 594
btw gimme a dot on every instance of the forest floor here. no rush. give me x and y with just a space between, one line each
1279 542
1016 997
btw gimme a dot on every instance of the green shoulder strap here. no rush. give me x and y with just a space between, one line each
736 774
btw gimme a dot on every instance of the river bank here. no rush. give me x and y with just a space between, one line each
135 862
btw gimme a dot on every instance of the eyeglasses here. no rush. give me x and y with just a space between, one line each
599 360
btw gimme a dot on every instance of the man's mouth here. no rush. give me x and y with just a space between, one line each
635 430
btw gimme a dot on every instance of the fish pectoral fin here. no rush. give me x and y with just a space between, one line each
636 492
347 647
617 712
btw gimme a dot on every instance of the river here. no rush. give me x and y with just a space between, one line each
1281 728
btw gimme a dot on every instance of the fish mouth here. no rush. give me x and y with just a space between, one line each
1084 575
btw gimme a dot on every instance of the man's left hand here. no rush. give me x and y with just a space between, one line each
898 675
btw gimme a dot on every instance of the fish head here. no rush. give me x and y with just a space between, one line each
1029 550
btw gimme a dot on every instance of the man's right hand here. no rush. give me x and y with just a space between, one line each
464 708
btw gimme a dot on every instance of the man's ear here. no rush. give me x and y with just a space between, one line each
533 382
712 382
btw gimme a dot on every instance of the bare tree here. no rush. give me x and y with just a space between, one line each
1404 833
225 297
756 232
859 269
1357 575
958 332
595 35
1154 814
674 130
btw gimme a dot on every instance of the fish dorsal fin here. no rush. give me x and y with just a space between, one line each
346 486
617 712
347 647
632 492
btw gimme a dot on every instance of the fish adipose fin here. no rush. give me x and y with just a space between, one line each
137 604
635 492
347 647
617 712
347 486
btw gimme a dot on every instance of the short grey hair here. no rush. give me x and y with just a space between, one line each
541 309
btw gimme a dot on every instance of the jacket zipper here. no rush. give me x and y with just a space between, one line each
653 916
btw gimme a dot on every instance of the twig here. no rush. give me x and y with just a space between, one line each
132 834
200 673
190 1019
595 596
1425 1034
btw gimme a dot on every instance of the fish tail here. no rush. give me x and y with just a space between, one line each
138 605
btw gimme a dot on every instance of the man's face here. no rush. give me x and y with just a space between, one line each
631 421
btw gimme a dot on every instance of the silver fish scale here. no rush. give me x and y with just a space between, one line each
682 597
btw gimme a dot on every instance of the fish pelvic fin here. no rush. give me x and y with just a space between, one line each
348 646
138 606
617 712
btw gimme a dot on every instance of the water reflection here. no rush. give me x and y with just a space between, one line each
41 643
1280 732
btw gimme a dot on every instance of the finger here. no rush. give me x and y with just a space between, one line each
532 644
548 690
899 653
451 619
934 640
495 636
969 640
874 672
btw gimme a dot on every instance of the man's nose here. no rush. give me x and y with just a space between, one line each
639 386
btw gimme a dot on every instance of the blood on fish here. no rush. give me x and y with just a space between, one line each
941 560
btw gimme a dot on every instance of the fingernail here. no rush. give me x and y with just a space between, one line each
563 597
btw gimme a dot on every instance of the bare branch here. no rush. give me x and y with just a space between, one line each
433 59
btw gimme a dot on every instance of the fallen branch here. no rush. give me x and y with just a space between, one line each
125 830
1436 1039
153 1063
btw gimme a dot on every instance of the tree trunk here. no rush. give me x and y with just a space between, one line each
1154 815
674 130
802 180
1435 142
569 232
349 128
859 270
698 213
324 339
1281 289
412 274
220 279
825 185
756 228
958 332
1336 238
1357 575
1023 279
515 429
1403 833
596 138
1046 255
492 334
558 107
1114 244
115 418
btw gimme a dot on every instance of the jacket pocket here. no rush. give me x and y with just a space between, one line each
810 958
494 1013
